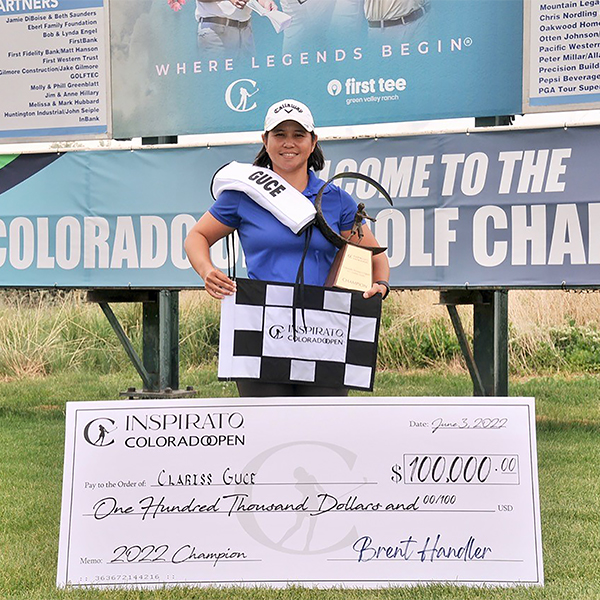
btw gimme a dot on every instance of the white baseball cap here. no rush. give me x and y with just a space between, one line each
289 110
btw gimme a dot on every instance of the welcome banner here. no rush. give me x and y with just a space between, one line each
508 209
351 61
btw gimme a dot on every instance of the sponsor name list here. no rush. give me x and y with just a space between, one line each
565 52
53 73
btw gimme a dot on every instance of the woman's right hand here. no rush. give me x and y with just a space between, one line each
201 237
218 285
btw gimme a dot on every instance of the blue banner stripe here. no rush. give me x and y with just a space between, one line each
54 131
22 168
552 100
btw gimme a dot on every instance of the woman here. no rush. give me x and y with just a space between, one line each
272 251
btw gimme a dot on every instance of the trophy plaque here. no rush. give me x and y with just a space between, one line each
352 268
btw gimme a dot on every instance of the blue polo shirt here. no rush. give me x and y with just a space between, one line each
273 252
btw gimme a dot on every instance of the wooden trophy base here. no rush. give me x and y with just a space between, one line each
352 269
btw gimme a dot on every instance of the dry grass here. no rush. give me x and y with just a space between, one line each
528 310
550 330
28 336
557 326
46 331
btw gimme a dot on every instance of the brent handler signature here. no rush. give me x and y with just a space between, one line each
150 507
431 550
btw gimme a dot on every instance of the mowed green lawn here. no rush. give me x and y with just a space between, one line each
31 455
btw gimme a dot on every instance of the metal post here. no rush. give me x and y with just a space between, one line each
161 340
490 342
483 342
478 388
488 363
501 343
151 343
168 308
126 343
159 365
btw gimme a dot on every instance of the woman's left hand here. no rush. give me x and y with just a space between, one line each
376 288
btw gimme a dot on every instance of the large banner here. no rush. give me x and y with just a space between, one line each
53 70
177 71
508 209
562 55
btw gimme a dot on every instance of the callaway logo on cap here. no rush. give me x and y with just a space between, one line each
289 110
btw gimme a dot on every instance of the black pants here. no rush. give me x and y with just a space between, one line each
258 389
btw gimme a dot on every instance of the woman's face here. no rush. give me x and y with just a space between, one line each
289 146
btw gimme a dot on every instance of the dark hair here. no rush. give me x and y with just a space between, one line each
316 161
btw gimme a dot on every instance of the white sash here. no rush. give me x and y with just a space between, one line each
268 190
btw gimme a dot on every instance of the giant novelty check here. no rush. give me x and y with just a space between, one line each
359 492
